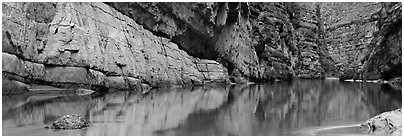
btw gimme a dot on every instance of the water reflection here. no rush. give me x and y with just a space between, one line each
300 107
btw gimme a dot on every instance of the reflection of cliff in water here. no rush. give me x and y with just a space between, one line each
278 109
144 114
21 111
264 109
121 113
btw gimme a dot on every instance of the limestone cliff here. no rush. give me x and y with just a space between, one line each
254 41
216 31
93 45
364 39
137 45
384 57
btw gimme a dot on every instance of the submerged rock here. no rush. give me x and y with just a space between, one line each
387 123
72 121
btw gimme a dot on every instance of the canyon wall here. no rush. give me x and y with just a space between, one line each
364 39
93 45
384 59
217 31
135 45
254 41
138 45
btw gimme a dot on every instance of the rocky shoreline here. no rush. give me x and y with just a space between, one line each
387 123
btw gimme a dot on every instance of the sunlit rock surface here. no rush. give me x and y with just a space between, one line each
71 121
131 45
387 123
92 44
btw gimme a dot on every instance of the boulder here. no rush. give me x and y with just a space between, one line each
387 123
72 121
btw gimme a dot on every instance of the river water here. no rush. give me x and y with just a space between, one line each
301 107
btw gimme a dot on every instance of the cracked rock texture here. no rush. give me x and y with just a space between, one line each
137 45
254 41
216 31
72 121
385 124
364 39
92 44
385 50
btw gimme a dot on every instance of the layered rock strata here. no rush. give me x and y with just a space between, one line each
384 59
254 41
90 45
348 32
132 45
311 51
140 44
217 31
365 43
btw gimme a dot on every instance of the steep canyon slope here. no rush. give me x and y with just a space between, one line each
141 44
364 39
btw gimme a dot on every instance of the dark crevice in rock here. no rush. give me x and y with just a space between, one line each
260 49
196 44
160 34
232 16
394 71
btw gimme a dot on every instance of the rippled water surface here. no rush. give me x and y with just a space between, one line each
301 107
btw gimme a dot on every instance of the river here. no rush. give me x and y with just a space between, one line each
301 107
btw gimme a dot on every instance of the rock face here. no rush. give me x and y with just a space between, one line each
254 41
141 44
286 40
311 54
216 31
73 121
384 56
364 39
348 32
387 123
267 41
274 39
91 45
